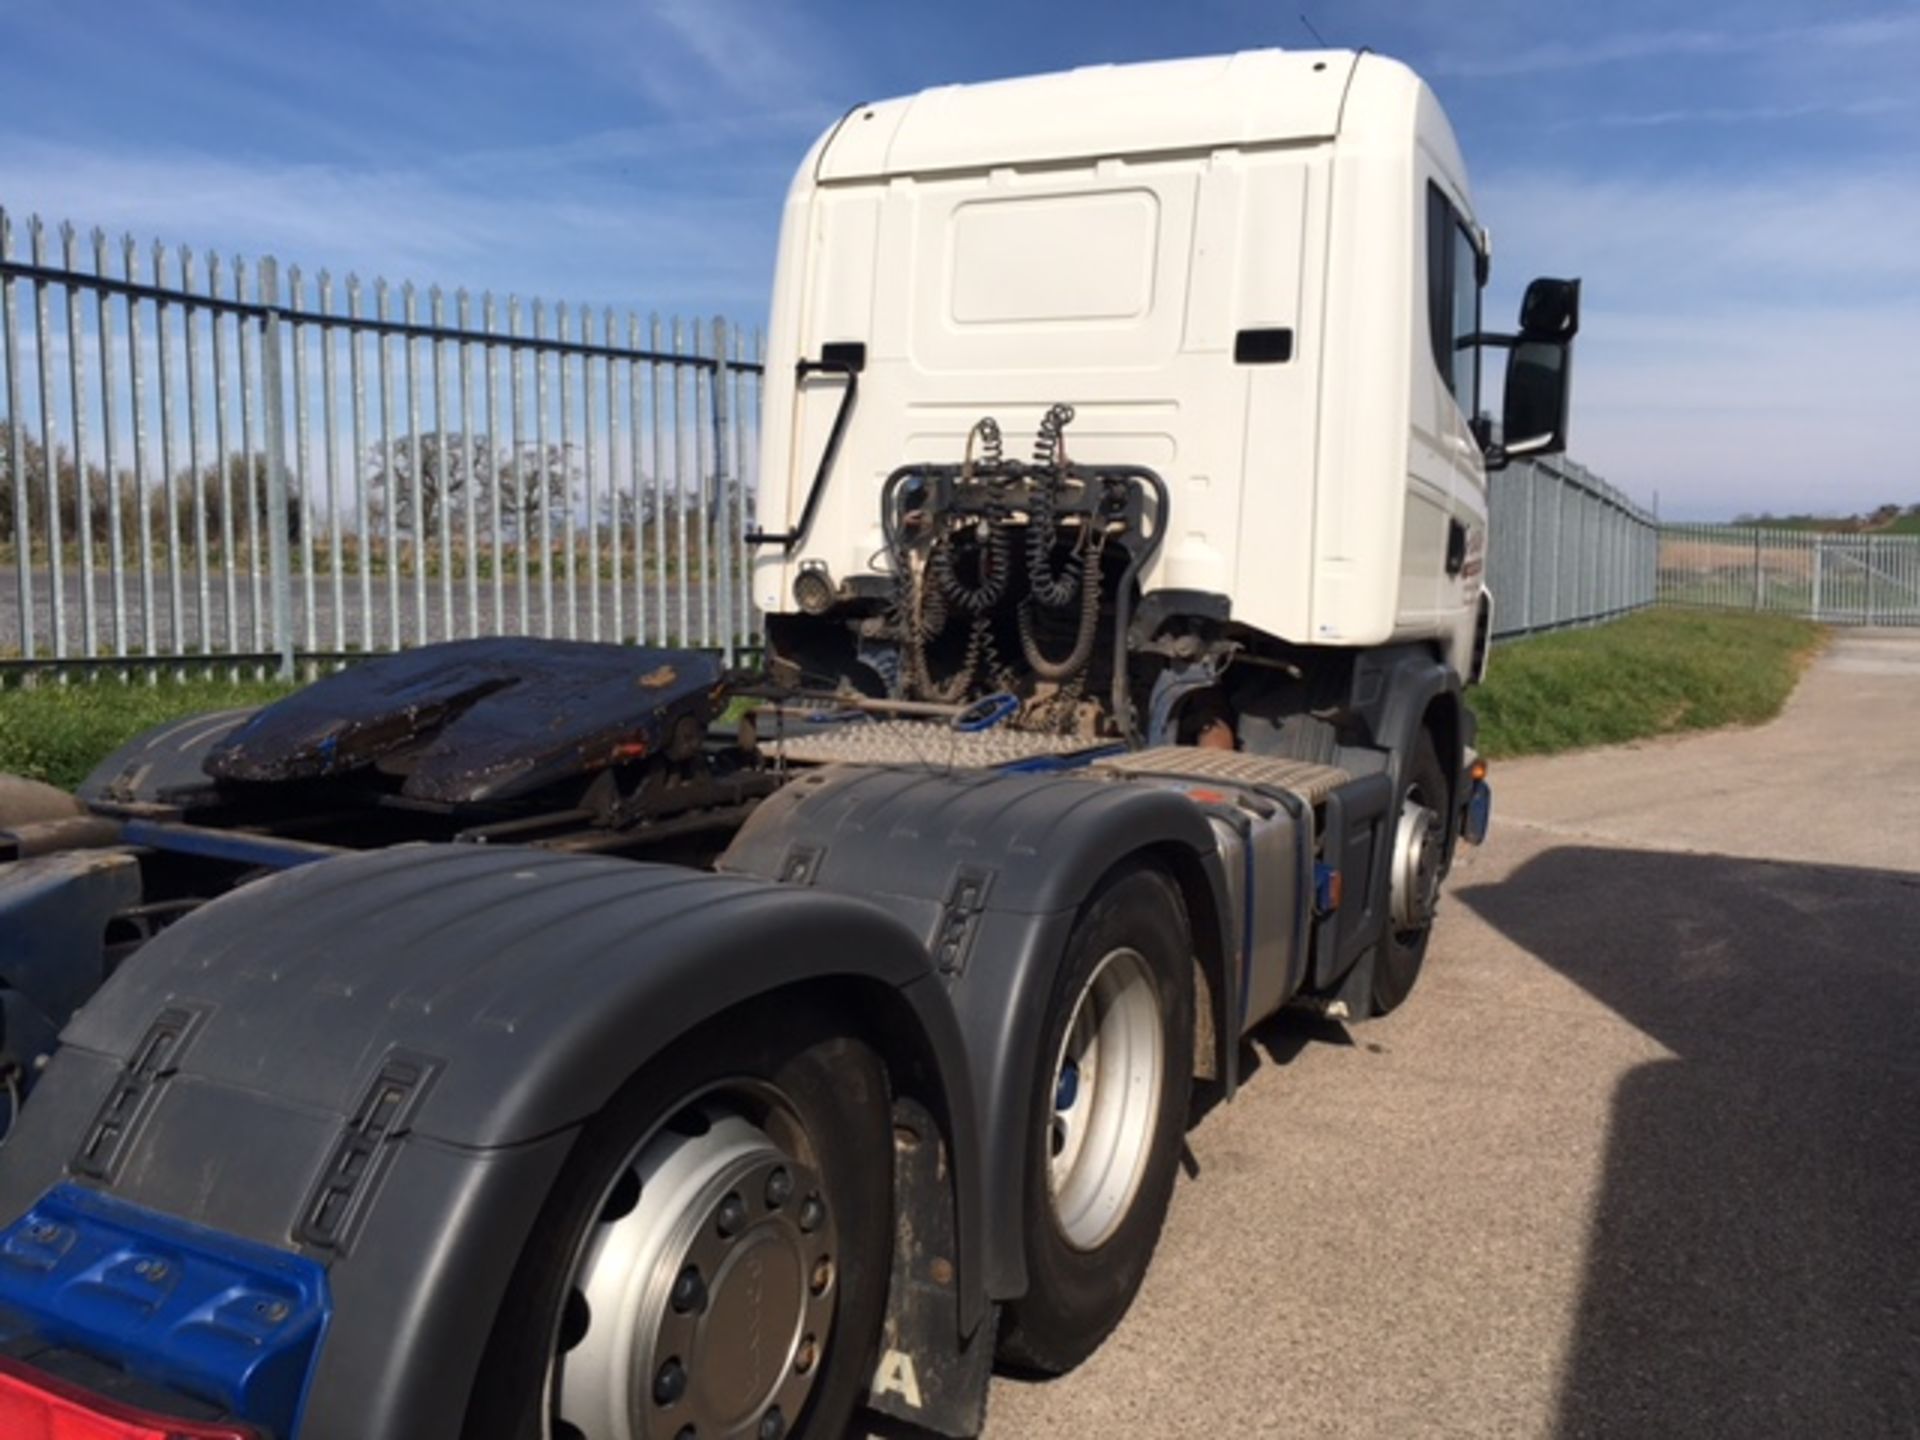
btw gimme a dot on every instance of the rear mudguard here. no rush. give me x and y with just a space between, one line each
990 870
380 1062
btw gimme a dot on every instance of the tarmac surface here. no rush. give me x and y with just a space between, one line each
1639 1157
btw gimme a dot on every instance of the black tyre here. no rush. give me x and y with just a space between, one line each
1107 1120
1419 849
713 1259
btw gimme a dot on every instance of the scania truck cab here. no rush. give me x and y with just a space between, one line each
517 1039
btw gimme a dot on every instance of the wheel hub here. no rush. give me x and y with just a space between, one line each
1417 847
1106 1099
702 1304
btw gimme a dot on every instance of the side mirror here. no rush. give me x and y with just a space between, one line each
1550 310
1534 416
1539 373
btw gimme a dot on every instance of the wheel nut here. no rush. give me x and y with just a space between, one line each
670 1384
779 1188
689 1291
808 1353
813 1214
773 1424
822 1275
731 1216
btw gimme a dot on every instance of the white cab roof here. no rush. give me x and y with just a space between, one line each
1257 97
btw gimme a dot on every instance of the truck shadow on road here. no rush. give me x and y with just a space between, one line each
1753 1262
1277 1041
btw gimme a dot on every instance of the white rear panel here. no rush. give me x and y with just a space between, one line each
1049 269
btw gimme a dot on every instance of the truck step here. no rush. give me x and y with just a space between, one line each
1310 781
918 742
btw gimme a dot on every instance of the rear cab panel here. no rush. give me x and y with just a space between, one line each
1104 237
1099 238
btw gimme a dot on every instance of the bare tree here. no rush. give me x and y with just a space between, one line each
241 471
531 483
523 485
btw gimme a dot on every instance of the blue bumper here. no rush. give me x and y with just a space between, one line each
228 1321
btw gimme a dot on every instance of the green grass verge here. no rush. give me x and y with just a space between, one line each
1655 672
58 733
1652 673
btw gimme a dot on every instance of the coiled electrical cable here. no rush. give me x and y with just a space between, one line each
1048 585
1082 652
993 567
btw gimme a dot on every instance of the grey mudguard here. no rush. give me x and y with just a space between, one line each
1392 690
506 994
989 869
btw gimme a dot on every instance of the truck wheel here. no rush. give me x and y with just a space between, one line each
713 1260
1419 852
1107 1121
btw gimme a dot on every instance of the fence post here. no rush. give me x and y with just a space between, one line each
1756 569
280 578
724 478
16 446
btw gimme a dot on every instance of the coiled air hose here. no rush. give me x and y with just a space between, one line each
1049 586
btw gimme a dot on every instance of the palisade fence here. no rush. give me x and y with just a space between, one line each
1838 579
206 461
200 460
1566 549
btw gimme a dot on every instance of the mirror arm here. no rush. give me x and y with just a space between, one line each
1540 446
1495 455
1488 339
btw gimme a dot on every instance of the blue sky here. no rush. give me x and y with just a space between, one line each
1739 184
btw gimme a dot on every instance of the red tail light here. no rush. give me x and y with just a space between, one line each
34 1406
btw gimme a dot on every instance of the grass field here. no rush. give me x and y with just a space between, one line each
1654 673
57 733
1650 674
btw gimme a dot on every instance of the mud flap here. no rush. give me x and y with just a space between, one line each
928 1374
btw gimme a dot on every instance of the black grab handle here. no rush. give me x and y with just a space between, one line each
834 360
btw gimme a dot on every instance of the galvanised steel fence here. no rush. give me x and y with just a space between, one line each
205 460
1838 579
1567 548
201 459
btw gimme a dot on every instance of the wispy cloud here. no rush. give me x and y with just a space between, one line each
680 57
1783 407
1738 114
1734 180
1747 342
1812 232
553 234
1689 42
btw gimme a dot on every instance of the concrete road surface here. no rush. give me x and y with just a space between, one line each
1640 1158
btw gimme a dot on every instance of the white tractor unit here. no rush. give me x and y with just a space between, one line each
506 1040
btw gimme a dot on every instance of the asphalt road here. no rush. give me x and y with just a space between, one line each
1640 1157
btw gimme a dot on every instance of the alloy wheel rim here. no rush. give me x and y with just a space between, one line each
1105 1099
1417 849
702 1301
